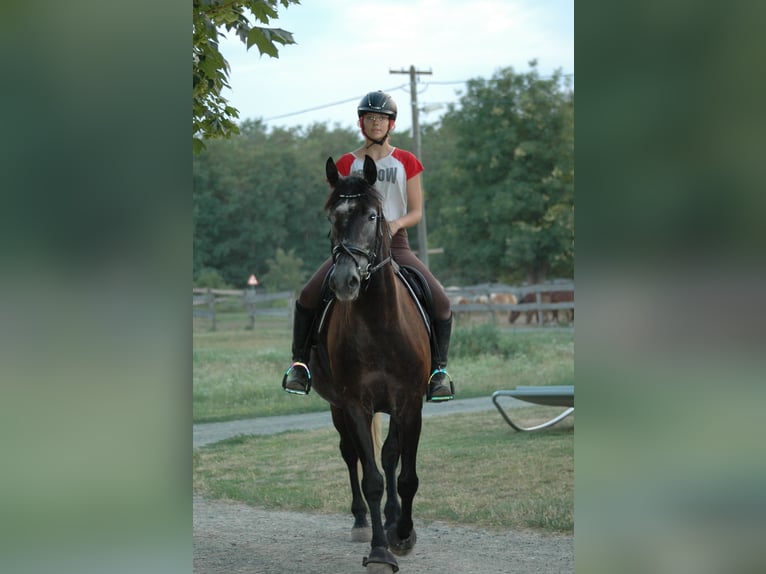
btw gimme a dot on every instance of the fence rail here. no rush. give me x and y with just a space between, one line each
532 301
495 300
250 299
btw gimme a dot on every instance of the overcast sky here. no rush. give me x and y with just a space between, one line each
347 48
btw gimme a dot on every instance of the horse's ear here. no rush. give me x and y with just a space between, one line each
370 170
332 172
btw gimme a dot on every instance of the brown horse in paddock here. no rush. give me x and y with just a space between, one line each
562 297
548 297
372 356
530 315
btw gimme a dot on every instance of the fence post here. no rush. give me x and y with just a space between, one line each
250 304
540 312
491 307
211 306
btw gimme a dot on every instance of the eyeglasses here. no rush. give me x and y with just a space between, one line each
372 118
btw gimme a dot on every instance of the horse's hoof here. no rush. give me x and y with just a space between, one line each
375 568
380 561
401 547
361 534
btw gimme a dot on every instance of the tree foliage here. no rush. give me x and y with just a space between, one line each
499 185
262 191
285 271
212 116
503 189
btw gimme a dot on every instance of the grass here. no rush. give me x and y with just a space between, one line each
238 372
473 470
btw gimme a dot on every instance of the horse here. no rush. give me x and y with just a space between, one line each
563 297
547 297
529 315
372 356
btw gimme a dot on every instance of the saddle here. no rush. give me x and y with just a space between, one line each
418 288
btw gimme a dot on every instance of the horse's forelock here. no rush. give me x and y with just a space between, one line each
353 187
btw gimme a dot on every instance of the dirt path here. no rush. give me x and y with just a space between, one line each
233 538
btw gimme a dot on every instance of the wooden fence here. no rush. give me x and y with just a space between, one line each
486 300
205 300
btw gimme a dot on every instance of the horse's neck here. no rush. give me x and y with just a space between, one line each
381 292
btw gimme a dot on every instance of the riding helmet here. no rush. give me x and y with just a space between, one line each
379 103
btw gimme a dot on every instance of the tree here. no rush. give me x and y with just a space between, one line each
212 116
505 197
499 188
285 272
261 191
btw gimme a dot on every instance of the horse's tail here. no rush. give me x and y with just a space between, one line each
376 431
376 428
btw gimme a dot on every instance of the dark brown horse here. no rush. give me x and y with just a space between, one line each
372 356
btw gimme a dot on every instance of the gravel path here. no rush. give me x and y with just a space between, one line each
233 538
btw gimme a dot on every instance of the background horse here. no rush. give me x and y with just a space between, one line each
372 356
546 297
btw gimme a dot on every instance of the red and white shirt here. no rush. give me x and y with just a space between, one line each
393 172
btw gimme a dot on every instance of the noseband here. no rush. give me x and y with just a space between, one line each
345 248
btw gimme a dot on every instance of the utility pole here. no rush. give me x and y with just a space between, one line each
422 239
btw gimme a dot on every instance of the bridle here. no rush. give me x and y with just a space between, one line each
354 251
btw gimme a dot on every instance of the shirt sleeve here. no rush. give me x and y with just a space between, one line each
344 164
411 163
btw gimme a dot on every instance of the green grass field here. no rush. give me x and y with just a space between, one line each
473 468
238 372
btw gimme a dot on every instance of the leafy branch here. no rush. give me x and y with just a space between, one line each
212 116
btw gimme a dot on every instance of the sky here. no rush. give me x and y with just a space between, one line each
348 48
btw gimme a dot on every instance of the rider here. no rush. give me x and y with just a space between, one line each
399 184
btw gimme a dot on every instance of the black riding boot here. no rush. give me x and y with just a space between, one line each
440 386
297 379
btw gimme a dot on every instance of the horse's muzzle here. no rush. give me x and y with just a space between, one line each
345 282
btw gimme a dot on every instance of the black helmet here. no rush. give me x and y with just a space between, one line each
377 102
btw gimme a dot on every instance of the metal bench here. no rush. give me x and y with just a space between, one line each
552 396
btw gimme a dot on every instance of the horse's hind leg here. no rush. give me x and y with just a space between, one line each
360 531
390 458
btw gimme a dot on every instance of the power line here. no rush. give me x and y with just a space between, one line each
448 82
399 87
325 106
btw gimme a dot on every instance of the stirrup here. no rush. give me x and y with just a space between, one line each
308 379
447 377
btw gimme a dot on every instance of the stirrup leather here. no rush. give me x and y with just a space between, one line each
305 367
447 378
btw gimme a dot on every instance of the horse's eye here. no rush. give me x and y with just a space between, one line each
373 216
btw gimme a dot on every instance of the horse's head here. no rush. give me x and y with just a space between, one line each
357 228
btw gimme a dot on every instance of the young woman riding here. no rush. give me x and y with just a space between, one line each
399 184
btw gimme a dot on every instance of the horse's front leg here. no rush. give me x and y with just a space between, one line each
402 537
358 424
390 459
360 531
